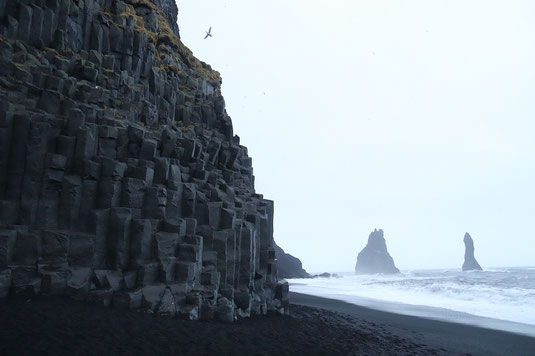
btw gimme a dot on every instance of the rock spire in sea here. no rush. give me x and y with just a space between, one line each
470 263
374 258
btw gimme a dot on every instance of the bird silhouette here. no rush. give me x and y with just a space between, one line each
208 33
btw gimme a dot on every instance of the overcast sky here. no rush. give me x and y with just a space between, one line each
417 117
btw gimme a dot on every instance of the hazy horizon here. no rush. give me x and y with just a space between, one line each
415 117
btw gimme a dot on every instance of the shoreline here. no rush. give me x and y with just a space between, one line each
315 326
454 337
427 312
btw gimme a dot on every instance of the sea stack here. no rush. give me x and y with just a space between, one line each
374 258
470 263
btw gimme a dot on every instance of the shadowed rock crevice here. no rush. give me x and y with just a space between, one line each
374 258
470 263
121 181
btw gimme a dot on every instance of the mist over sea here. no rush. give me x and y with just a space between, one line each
503 294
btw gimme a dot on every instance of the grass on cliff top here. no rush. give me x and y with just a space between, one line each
166 36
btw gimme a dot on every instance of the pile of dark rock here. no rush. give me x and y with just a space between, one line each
326 275
121 181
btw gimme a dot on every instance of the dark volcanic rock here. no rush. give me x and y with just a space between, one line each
325 275
374 258
289 266
170 10
470 263
121 180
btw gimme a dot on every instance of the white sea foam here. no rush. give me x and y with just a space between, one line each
499 293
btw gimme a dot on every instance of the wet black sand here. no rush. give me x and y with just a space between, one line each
452 337
63 326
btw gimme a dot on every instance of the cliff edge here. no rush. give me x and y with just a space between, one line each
121 180
288 266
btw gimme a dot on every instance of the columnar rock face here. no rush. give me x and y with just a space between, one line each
121 181
470 262
374 258
288 266
170 11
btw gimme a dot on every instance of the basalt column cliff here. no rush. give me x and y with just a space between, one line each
121 181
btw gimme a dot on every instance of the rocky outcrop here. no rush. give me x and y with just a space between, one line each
288 266
121 181
374 258
470 263
170 10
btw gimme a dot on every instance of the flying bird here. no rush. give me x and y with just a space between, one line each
208 33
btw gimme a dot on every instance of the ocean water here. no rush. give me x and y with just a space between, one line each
503 294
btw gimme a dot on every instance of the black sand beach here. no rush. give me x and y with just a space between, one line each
455 338
317 326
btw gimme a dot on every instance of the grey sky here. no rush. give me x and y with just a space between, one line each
416 117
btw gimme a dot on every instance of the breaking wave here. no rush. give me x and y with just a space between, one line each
500 293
